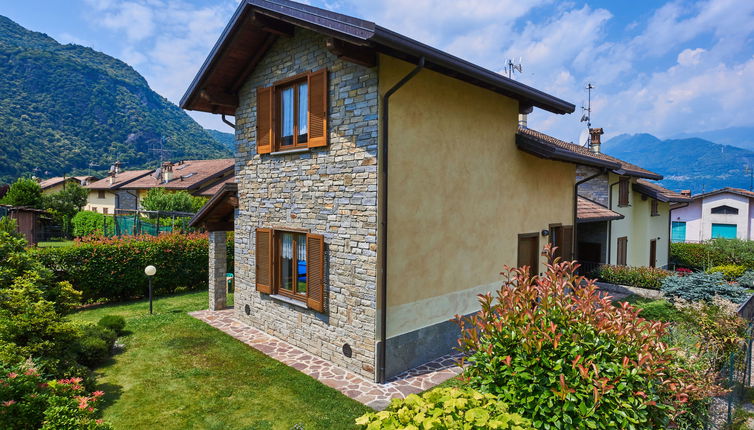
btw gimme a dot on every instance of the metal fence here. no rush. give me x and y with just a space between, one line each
736 378
128 222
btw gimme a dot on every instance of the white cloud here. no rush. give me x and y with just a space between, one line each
690 57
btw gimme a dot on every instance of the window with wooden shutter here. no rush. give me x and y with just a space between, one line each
318 89
655 208
567 243
623 192
315 263
264 244
622 251
265 120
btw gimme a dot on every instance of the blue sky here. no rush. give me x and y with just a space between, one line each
658 67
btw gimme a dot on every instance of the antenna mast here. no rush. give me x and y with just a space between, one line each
161 150
587 111
514 67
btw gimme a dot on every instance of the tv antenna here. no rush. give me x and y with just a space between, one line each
512 67
587 111
162 151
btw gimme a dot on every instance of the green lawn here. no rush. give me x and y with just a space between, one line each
177 372
55 244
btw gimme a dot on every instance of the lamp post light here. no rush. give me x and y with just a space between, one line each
150 271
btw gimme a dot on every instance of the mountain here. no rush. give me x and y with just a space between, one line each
691 163
227 139
742 137
66 109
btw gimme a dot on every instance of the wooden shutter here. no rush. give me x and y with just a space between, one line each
264 260
318 89
315 272
566 242
265 120
622 251
623 192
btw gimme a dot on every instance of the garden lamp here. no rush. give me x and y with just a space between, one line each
150 271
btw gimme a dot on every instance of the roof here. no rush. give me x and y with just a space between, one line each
655 191
51 182
546 146
731 190
187 175
214 188
119 181
591 211
256 25
218 213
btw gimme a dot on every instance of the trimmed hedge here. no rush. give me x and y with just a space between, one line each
87 223
112 269
642 277
717 252
731 272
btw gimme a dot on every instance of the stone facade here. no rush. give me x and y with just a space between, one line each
595 189
218 265
330 191
126 199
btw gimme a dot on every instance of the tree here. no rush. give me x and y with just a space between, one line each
159 199
65 204
24 192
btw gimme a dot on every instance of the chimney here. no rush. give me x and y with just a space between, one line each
167 172
595 142
686 193
111 177
117 167
522 120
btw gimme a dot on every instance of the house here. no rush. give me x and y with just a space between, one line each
724 213
622 217
124 189
381 184
57 184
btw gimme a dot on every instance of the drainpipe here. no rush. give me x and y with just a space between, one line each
610 223
670 226
225 120
576 210
383 217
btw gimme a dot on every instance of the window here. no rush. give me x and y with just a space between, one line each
104 211
291 264
622 251
528 251
94 209
724 210
653 253
678 231
725 231
562 237
655 208
292 113
100 194
623 192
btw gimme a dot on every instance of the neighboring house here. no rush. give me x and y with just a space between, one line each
726 213
57 184
106 194
361 261
622 218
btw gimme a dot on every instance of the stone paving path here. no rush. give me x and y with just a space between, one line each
352 385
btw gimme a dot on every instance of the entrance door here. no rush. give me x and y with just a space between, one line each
528 251
653 253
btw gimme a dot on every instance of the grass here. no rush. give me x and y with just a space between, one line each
177 372
653 309
55 244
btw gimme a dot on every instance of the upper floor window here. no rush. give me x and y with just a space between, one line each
100 194
623 187
724 210
655 208
292 113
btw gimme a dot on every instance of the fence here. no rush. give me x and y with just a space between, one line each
130 222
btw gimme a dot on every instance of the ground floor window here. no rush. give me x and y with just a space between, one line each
528 251
724 231
291 264
622 251
561 236
678 231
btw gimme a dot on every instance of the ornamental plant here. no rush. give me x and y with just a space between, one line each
446 409
558 353
731 272
642 277
701 286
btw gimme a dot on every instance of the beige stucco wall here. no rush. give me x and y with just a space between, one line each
93 202
640 228
460 192
54 189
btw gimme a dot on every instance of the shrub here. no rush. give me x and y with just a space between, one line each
87 223
30 401
94 344
747 279
702 286
560 355
115 323
113 268
655 310
642 277
445 408
159 199
731 272
24 192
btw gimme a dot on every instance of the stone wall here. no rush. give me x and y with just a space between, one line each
127 199
595 189
330 191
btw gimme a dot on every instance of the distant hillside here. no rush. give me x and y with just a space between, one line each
66 107
742 137
227 139
692 163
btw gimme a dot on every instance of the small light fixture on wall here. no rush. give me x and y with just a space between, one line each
545 232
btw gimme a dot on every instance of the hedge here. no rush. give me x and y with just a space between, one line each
86 223
642 277
717 252
111 269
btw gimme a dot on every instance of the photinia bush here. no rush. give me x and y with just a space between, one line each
446 409
558 353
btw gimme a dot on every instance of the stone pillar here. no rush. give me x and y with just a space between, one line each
218 267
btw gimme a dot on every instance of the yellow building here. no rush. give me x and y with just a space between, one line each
381 184
107 195
58 183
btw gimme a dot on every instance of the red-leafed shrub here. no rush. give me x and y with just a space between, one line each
113 268
561 355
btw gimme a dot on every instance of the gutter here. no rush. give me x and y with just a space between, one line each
574 241
382 349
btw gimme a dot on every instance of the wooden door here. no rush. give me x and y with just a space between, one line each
653 253
528 251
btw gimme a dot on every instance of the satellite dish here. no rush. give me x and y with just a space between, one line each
157 173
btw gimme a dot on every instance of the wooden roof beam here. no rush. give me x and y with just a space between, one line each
361 55
246 72
218 97
272 25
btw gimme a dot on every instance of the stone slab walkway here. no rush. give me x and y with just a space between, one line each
352 385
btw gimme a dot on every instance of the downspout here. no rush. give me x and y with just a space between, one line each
610 223
576 210
670 225
383 216
225 120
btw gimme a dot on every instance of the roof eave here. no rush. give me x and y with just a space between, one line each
599 219
550 152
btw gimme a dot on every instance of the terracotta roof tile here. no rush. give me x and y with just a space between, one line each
121 179
214 188
661 193
739 191
591 211
187 175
